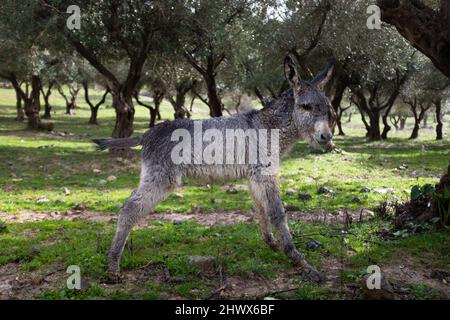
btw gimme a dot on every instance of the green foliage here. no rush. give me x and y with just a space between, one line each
443 205
442 199
422 192
424 292
309 291
70 294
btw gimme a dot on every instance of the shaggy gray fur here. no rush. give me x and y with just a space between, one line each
302 112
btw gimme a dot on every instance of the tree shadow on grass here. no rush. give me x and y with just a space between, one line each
421 156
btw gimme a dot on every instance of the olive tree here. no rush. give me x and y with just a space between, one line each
115 31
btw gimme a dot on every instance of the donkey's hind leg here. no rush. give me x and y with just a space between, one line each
267 193
155 186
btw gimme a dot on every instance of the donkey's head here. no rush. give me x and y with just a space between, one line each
313 115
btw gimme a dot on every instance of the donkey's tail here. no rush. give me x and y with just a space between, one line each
118 143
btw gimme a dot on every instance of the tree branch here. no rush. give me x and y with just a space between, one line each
205 101
425 28
88 100
197 66
85 53
139 102
61 92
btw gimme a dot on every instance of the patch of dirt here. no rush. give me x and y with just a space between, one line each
9 188
132 281
26 133
409 272
235 186
31 216
258 287
340 216
15 284
209 219
332 267
416 272
286 284
204 218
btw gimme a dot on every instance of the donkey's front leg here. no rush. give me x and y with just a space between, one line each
269 197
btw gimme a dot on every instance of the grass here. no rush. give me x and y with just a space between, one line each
43 246
37 166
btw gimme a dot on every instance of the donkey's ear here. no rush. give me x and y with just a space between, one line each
325 75
291 74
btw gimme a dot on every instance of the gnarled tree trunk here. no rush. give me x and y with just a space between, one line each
208 73
47 106
33 104
158 96
336 103
178 104
395 121
373 126
425 120
123 128
415 131
152 110
374 133
214 102
418 116
94 108
402 123
20 114
439 124
339 123
93 116
69 106
71 102
425 28
364 121
386 127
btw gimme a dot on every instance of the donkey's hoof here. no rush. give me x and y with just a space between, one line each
311 274
113 277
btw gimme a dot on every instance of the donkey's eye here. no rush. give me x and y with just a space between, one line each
307 107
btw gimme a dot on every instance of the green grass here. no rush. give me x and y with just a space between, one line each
41 246
37 165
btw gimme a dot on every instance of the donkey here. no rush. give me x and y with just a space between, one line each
301 112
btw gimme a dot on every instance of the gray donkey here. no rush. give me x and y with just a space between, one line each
302 112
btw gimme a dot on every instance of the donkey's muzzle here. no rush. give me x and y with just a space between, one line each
324 138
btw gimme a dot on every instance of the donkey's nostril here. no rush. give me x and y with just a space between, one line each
324 138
